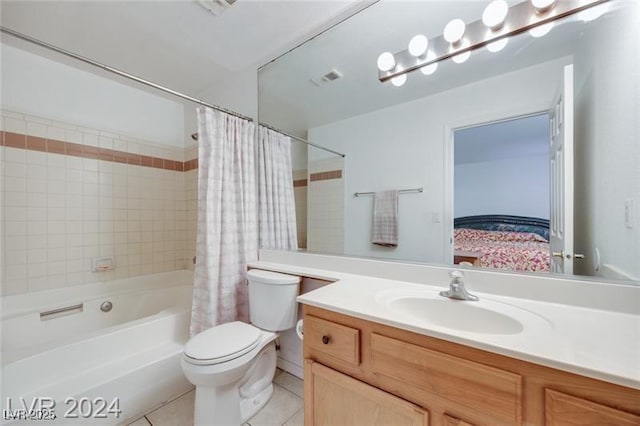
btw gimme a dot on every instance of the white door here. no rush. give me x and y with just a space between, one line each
561 166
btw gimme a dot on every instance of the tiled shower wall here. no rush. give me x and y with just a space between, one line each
70 194
300 183
325 206
191 202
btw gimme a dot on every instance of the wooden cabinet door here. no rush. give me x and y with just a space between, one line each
566 410
332 398
490 393
448 420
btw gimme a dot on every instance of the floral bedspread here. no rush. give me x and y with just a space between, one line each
517 251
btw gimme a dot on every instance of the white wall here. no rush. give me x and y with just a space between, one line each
290 356
39 86
404 147
514 186
608 145
238 93
299 153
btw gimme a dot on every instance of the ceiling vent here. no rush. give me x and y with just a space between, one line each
216 7
332 75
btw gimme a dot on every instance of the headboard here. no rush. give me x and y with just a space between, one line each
508 223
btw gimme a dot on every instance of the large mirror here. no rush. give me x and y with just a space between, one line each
471 163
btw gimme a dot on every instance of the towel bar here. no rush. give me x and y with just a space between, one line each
402 191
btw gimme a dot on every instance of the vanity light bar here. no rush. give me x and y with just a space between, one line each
520 18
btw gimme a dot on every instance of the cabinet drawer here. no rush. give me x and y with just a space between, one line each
480 388
563 409
336 340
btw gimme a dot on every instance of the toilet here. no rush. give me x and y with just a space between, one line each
232 365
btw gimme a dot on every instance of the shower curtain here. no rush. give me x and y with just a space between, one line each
277 211
227 227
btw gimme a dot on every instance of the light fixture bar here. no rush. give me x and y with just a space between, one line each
521 17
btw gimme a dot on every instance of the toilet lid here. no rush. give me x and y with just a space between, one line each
223 342
273 278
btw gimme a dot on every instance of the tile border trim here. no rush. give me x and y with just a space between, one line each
53 146
299 183
331 174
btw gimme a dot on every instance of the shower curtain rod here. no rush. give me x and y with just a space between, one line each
303 140
140 80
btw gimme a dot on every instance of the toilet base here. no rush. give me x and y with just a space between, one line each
249 407
223 398
214 406
234 400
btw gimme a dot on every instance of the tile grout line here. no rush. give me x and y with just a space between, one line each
294 414
292 393
165 404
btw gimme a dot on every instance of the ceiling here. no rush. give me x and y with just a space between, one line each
178 44
289 99
522 137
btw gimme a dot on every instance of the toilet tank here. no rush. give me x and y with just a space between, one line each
272 300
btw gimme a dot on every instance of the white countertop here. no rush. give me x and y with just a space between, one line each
596 343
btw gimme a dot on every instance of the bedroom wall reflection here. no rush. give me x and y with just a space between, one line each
408 137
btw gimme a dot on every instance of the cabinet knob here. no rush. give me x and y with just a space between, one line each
325 340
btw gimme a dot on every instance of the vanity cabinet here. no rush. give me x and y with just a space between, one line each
362 372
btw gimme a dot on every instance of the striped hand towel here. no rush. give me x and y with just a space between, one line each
385 219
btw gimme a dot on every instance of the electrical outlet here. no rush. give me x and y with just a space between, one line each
435 217
628 213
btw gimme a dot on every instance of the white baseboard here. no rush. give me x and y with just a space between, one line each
290 367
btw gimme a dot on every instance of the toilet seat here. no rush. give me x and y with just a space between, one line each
222 343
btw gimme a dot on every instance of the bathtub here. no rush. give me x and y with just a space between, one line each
63 354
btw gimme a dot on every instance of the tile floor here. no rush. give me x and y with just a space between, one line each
284 408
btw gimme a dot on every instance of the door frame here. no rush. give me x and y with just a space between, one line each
450 127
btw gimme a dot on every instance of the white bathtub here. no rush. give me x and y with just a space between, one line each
131 353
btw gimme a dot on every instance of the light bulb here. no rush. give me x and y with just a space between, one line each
593 13
454 30
543 5
495 13
429 69
497 46
399 80
541 30
386 62
462 57
418 45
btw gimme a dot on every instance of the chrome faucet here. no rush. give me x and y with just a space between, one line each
456 288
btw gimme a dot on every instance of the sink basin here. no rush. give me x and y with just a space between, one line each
483 317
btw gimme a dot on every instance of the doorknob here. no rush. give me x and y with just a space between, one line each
568 256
